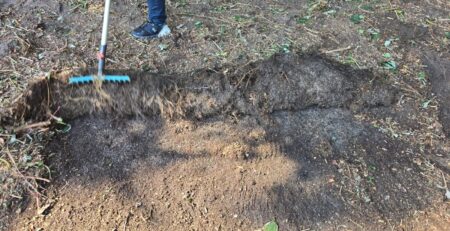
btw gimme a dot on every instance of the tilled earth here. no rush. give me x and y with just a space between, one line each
287 141
216 133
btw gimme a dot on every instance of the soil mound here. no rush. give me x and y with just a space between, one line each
281 139
285 82
439 68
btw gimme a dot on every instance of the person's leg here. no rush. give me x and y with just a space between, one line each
157 11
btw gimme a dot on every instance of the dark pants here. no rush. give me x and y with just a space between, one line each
157 11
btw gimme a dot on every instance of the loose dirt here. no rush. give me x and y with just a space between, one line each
213 133
230 149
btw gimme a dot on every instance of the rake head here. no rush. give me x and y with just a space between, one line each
104 78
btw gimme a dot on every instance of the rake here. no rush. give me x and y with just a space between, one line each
101 59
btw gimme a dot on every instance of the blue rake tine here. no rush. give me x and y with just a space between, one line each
107 78
81 79
117 78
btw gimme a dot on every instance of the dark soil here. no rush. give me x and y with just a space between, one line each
439 68
281 139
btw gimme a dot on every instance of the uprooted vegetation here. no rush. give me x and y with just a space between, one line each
284 82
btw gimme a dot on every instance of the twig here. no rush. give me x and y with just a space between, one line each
360 226
33 189
126 222
31 126
311 30
445 181
32 178
8 165
218 47
338 50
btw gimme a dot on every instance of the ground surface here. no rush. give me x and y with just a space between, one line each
215 138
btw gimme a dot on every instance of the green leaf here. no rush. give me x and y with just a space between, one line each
426 104
271 226
285 47
447 34
422 77
238 18
198 24
303 20
374 33
387 55
390 65
357 18
65 129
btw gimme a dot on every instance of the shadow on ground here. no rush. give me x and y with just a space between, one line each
282 139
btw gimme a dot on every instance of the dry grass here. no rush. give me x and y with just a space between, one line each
22 169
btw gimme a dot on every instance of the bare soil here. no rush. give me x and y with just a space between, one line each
251 111
285 141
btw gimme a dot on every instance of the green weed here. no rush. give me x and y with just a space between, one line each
426 103
350 60
303 20
79 4
374 34
221 9
400 14
422 77
371 180
387 55
389 65
271 226
198 24
357 18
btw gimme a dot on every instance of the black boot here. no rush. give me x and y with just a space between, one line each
147 30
